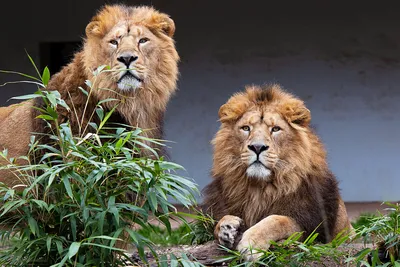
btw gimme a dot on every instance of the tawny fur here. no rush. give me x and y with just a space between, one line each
300 194
142 106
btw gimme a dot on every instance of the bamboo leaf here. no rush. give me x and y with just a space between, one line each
32 225
48 243
67 186
33 63
21 74
108 115
25 97
73 249
46 76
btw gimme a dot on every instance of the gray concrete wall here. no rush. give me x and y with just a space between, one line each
342 58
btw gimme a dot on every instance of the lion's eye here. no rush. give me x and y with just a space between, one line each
275 129
143 40
114 42
245 128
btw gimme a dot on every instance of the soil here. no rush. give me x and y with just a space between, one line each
209 253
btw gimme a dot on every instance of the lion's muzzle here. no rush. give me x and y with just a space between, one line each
127 58
257 167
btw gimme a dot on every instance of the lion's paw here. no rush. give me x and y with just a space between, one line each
228 230
249 244
249 254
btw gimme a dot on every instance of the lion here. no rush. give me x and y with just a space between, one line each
270 174
137 44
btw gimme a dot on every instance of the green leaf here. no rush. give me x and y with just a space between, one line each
174 261
48 243
111 202
310 239
73 227
17 82
46 76
52 112
9 194
115 236
83 91
59 247
45 117
73 249
88 83
100 113
32 225
42 204
115 212
67 186
106 237
52 99
163 261
152 200
108 115
33 63
61 263
361 254
100 69
25 97
103 246
21 74
106 100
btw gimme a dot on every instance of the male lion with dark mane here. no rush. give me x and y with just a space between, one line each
271 177
136 43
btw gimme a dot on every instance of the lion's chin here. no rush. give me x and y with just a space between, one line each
128 82
258 171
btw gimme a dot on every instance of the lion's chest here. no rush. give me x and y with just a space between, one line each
255 204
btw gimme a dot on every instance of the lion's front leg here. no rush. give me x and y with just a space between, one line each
260 235
228 231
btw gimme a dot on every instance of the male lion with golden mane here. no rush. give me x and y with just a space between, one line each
271 177
136 43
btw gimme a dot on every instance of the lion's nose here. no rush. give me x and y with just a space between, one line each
127 58
258 148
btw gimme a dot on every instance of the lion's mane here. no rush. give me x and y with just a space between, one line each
302 186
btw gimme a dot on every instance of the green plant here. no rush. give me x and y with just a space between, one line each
182 235
198 231
85 194
383 230
293 252
364 220
202 226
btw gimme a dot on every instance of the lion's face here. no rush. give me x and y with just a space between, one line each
136 42
264 133
263 136
133 51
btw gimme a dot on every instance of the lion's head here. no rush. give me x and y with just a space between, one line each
136 42
265 136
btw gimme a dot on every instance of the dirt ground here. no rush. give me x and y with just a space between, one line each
207 254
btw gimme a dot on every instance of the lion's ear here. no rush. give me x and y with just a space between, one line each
93 29
297 114
228 113
236 106
164 24
225 113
